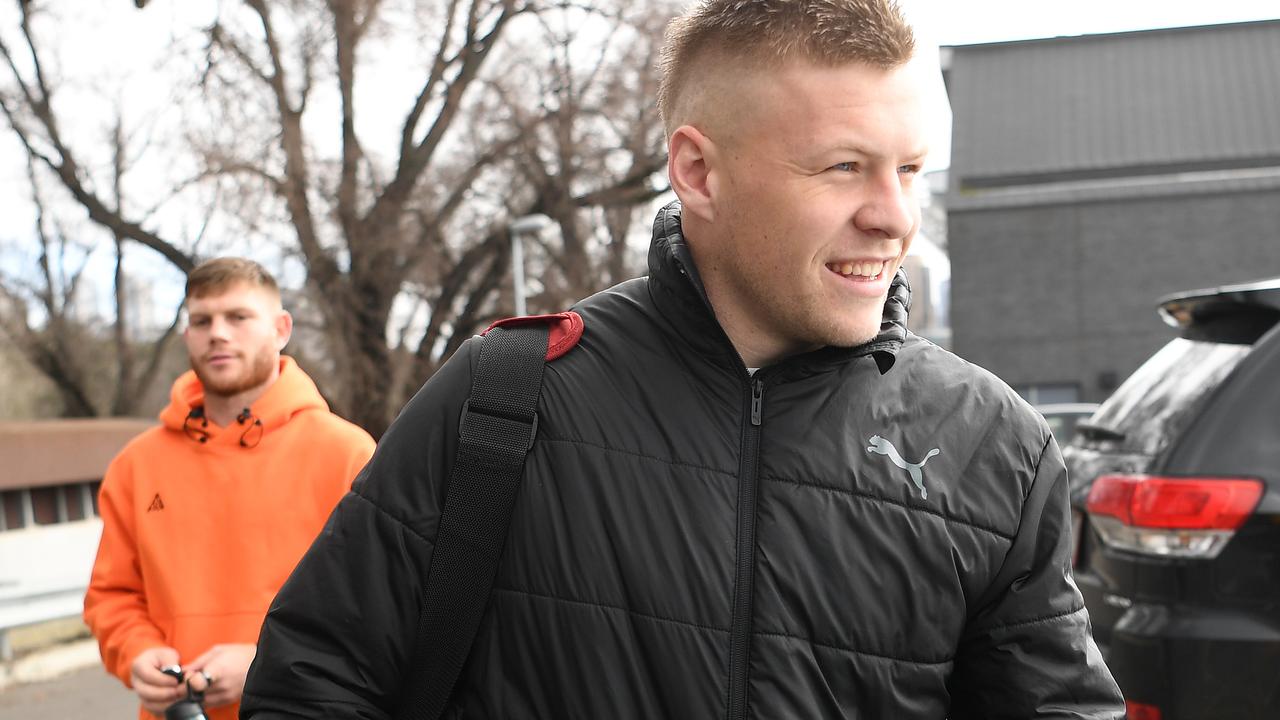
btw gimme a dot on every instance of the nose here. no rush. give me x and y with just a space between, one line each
218 328
888 207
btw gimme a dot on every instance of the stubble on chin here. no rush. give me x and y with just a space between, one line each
847 337
258 374
850 327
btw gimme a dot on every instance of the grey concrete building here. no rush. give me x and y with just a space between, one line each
1091 175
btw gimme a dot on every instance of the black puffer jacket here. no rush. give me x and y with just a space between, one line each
680 551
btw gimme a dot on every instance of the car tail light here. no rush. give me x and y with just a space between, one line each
1179 517
1140 711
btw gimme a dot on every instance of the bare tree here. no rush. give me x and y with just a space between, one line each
402 236
593 160
68 345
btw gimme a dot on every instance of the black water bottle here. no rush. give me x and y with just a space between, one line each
188 708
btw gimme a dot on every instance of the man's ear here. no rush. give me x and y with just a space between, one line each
284 329
689 166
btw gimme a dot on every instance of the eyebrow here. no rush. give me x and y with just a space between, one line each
228 311
919 153
916 154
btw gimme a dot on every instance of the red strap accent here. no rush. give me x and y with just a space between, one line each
565 332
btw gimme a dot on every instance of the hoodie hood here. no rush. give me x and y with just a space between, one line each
679 290
292 393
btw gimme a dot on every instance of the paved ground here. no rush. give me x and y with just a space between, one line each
88 693
63 680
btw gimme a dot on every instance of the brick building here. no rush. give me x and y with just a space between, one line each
1091 175
50 471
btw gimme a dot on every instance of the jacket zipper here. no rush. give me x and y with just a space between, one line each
740 632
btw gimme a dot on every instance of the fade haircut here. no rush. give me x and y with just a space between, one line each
215 276
759 33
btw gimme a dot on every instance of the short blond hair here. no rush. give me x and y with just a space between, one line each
214 276
760 32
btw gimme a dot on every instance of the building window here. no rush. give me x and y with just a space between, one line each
73 502
44 505
48 505
1047 393
14 515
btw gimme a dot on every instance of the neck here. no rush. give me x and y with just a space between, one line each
222 410
756 346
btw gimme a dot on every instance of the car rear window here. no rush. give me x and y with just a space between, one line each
1152 407
1063 425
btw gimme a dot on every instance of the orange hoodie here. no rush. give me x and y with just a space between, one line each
197 537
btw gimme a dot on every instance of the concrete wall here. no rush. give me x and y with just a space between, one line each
1066 293
44 572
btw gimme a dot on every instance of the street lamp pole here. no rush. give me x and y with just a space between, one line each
517 272
521 226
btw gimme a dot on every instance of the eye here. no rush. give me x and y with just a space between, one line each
845 167
908 169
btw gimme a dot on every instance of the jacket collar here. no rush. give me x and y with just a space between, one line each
678 292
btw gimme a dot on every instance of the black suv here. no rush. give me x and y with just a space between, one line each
1175 485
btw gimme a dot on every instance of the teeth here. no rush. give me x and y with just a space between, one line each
859 269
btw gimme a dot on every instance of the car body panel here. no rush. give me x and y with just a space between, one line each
1197 638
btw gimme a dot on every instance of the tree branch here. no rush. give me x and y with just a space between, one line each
297 178
631 189
347 34
475 50
67 170
438 67
222 39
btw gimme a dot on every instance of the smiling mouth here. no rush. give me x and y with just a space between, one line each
865 270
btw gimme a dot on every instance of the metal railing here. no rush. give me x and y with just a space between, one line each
32 606
44 572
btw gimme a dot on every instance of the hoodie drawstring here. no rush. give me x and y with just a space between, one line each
199 434
250 438
252 435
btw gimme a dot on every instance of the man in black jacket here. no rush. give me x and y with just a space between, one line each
753 493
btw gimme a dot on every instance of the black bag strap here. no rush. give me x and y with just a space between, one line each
497 428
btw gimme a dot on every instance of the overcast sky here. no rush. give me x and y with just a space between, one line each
939 22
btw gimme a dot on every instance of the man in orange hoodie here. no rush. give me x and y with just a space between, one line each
205 516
